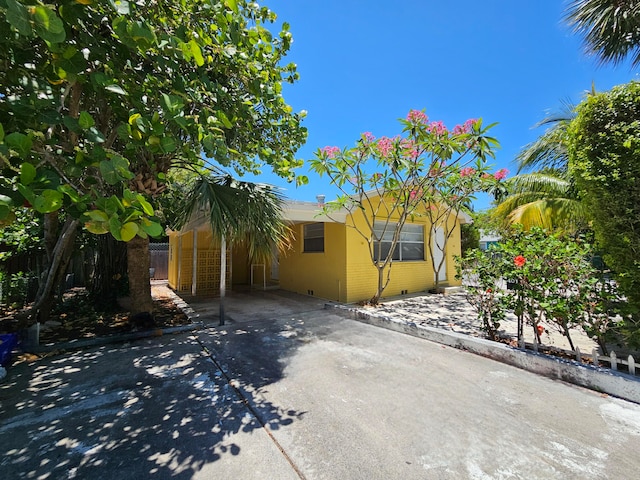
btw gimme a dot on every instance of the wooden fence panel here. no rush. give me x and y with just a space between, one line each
159 260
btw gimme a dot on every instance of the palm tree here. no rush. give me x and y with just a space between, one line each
238 212
547 197
611 28
549 149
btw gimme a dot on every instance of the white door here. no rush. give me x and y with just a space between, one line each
437 247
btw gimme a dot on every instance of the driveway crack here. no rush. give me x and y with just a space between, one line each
249 407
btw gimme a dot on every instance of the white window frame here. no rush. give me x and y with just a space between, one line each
411 234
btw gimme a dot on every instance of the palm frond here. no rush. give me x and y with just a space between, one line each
547 151
245 212
548 183
553 214
546 199
610 28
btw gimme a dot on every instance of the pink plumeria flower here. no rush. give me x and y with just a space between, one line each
417 116
468 125
459 130
438 128
385 144
368 137
501 174
330 152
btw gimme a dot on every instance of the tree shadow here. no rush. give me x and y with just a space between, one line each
159 408
449 312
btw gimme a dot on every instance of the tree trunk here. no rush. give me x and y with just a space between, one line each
51 226
139 284
376 298
60 256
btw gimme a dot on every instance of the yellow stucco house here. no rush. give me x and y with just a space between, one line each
328 258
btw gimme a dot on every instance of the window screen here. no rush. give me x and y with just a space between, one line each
410 245
314 237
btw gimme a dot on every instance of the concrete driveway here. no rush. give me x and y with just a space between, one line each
304 395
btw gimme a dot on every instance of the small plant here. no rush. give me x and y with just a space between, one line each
15 289
480 270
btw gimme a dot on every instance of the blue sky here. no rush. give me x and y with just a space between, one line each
364 64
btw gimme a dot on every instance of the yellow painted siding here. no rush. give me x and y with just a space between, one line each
320 274
452 251
343 272
241 272
409 276
208 263
185 259
362 276
173 260
243 268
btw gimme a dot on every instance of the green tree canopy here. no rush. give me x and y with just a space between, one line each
106 97
604 153
98 100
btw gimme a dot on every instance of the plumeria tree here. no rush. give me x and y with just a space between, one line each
385 181
451 197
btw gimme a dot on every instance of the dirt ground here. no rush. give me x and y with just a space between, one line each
77 318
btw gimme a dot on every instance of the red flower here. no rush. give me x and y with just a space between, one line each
489 290
540 329
519 261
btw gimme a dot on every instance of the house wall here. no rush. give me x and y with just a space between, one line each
243 267
407 276
173 260
452 251
320 274
344 271
362 276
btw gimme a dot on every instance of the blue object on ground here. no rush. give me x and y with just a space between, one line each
7 342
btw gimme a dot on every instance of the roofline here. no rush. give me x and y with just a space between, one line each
296 211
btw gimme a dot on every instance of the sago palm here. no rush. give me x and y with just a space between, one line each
240 211
610 28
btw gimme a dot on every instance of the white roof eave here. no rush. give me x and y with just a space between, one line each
296 212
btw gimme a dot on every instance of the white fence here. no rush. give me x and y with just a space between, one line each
628 364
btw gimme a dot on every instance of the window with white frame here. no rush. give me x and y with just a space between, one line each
313 234
410 246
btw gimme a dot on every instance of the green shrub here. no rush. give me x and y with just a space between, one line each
553 285
15 289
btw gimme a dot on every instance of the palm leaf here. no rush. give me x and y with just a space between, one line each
548 182
549 149
610 28
545 199
553 214
245 212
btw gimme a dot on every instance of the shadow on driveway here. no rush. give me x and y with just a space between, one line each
156 408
